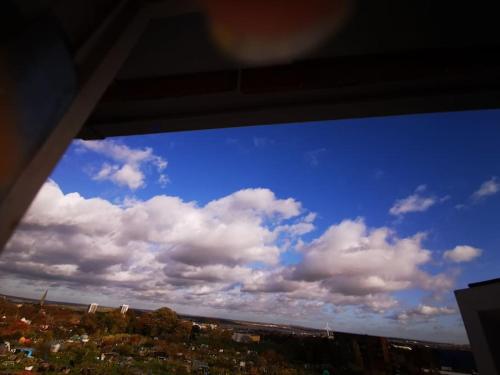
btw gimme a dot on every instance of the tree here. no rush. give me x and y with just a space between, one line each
195 331
162 323
89 323
117 322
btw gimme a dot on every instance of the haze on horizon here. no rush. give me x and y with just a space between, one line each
366 224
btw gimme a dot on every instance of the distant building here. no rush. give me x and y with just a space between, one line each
92 308
199 367
124 309
245 338
159 354
201 326
402 347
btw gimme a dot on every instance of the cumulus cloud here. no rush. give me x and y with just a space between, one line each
225 254
462 254
422 312
148 245
351 264
416 202
487 188
353 260
128 164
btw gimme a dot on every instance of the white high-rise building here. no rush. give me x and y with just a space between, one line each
92 308
124 309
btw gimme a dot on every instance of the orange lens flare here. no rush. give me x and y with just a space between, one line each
266 31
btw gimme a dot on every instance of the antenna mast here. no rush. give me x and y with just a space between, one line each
329 333
42 300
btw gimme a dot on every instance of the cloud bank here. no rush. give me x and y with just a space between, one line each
422 313
226 254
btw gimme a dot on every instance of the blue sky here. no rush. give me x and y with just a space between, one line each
302 235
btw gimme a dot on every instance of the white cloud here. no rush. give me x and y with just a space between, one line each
416 202
128 164
249 202
311 216
413 203
462 254
125 175
487 188
423 312
224 255
353 260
